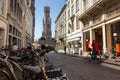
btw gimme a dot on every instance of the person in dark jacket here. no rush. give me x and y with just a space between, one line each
95 49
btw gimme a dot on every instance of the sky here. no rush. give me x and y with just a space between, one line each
55 8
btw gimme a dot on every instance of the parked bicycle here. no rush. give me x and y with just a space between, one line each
11 68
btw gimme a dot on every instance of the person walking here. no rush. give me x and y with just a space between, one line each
65 49
95 49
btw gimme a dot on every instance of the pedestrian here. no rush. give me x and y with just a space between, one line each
95 49
65 49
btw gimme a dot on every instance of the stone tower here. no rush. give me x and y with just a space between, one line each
46 38
47 24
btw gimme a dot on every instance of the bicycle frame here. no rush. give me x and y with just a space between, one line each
9 66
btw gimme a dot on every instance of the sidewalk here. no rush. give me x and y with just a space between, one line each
111 63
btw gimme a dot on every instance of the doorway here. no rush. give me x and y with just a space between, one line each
98 37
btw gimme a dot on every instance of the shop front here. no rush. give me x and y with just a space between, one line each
97 32
96 35
86 39
74 46
70 47
113 36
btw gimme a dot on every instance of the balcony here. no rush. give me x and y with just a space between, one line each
91 10
113 10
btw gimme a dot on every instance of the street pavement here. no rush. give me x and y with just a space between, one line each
78 68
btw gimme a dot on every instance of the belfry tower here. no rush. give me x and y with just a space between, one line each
47 24
46 38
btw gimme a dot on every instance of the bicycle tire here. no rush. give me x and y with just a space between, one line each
98 58
4 75
89 56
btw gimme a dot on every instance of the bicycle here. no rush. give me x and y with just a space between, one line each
12 69
9 66
94 56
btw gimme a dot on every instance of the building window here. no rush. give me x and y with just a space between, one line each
10 28
77 5
86 38
15 4
72 1
1 6
14 30
115 34
69 26
65 16
72 10
69 14
72 26
20 16
77 24
86 4
65 30
68 5
11 4
10 40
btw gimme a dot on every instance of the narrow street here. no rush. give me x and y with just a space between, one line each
81 69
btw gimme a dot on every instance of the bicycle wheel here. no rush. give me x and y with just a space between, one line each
99 58
89 56
4 75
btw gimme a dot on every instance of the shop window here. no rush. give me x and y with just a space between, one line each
14 30
10 40
10 28
77 24
116 34
77 5
86 38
